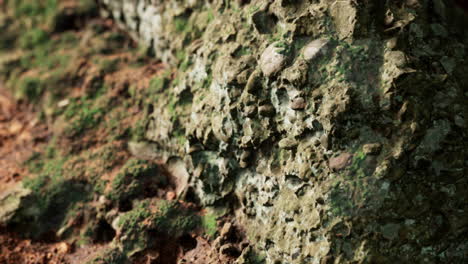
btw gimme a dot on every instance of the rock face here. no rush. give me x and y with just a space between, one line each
10 201
372 168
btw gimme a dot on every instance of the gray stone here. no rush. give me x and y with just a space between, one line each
10 201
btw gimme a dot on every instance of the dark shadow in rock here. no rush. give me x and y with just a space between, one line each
264 22
187 242
104 232
125 205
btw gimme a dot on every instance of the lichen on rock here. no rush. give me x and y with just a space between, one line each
330 123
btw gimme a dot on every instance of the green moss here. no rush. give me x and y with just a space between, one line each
280 35
192 27
134 178
175 219
180 136
357 166
34 163
181 24
252 257
184 60
352 189
185 65
100 186
30 88
138 131
53 197
210 16
109 65
242 51
44 57
172 107
180 55
158 84
113 124
340 202
283 47
109 256
67 40
33 38
86 118
39 10
134 228
50 151
48 171
168 217
142 53
210 225
207 82
83 114
252 9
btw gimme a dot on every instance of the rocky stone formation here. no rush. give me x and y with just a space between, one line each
335 130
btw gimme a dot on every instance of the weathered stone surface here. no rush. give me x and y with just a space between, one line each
315 182
10 201
372 148
287 143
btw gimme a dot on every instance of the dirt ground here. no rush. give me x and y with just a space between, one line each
20 135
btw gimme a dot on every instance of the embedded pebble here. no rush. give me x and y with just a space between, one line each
298 103
340 162
271 60
313 49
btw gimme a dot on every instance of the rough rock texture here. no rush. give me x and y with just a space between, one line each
369 165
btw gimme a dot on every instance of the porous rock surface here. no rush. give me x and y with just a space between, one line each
370 165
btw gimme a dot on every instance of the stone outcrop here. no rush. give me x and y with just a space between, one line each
334 130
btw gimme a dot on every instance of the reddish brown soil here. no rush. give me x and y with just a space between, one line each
14 250
21 133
